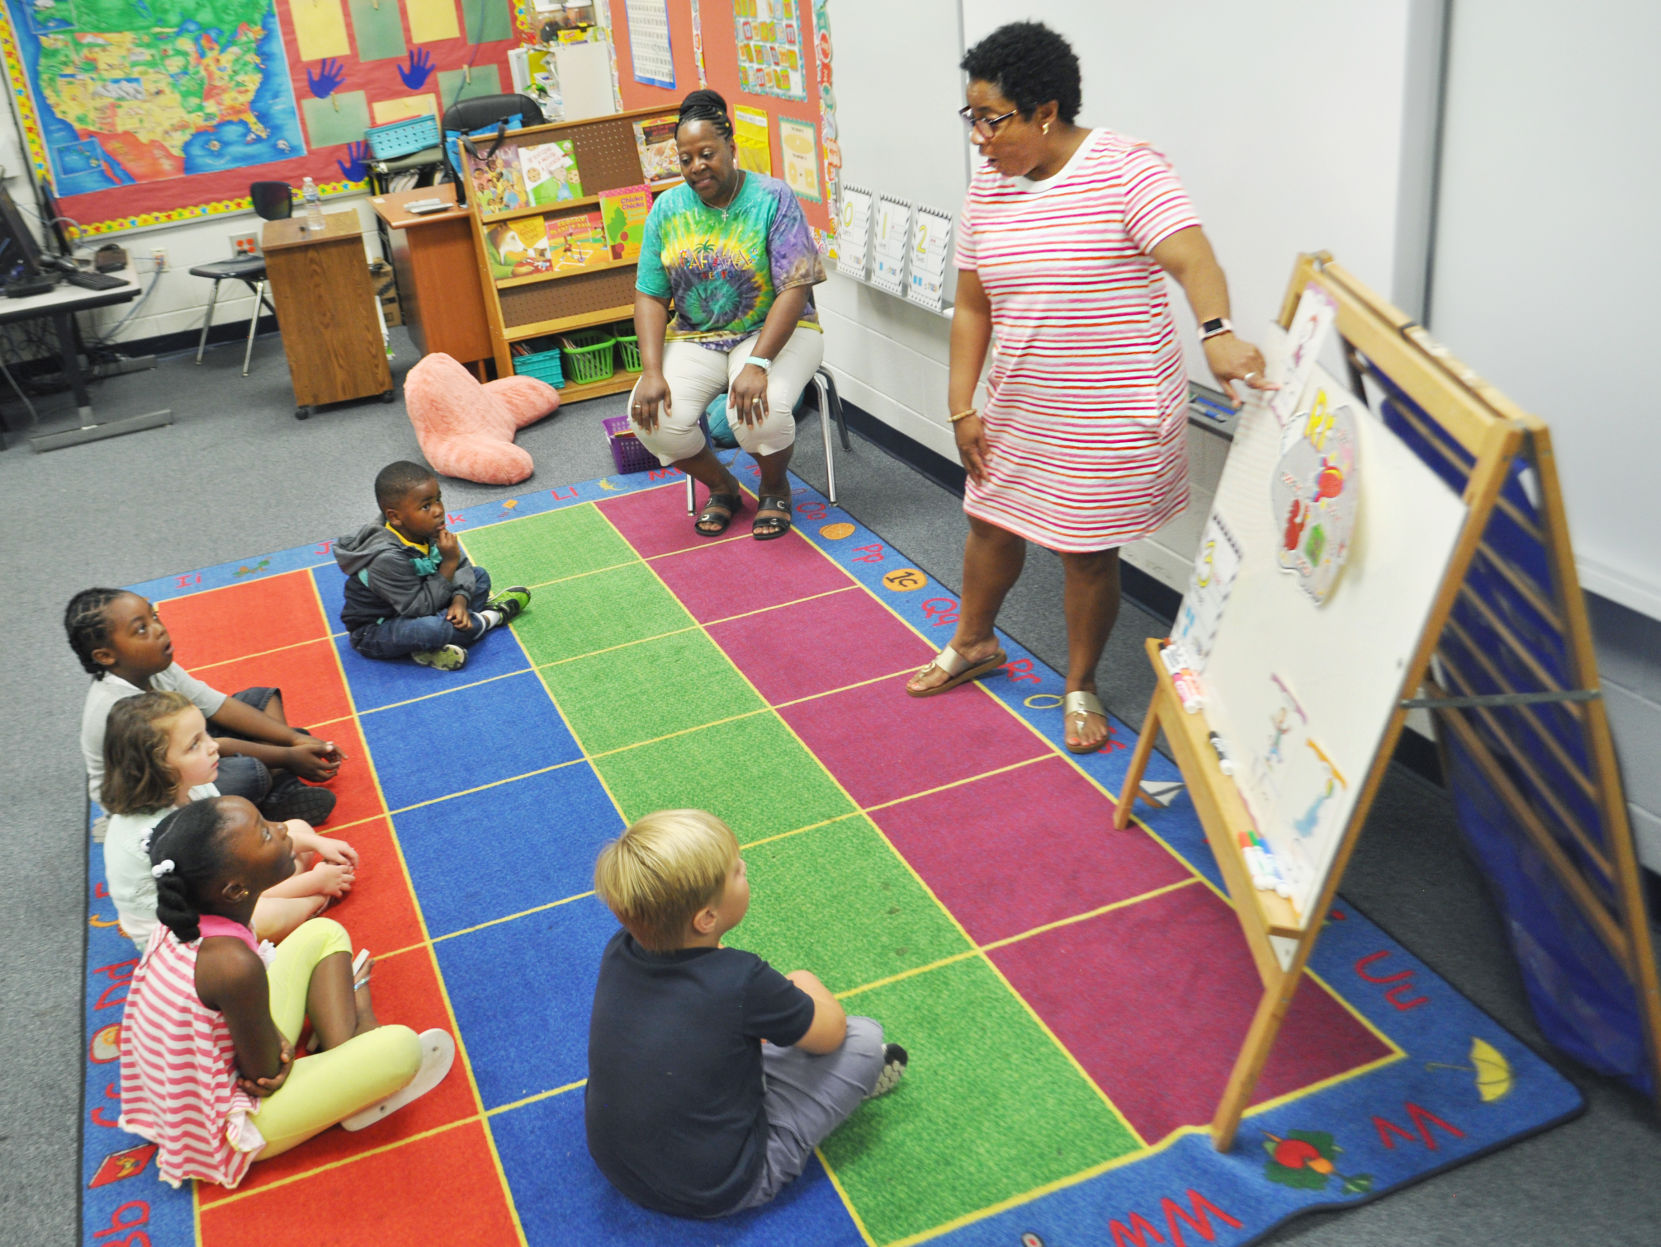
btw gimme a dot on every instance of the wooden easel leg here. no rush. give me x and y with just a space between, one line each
1138 764
1254 1053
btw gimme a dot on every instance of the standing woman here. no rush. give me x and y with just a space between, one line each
733 251
1064 238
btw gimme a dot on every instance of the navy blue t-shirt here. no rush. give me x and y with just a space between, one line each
673 1103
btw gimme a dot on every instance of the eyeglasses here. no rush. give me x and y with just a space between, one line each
986 127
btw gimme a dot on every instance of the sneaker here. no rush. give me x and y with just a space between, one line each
894 1059
510 602
444 658
292 799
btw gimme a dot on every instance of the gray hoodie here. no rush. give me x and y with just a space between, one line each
386 578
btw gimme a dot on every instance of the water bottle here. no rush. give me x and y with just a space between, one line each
311 205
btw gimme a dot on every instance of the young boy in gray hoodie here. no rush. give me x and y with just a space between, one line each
409 588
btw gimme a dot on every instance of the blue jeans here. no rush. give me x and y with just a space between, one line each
393 638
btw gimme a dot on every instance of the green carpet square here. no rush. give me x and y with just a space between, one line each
641 692
990 1107
551 546
838 901
599 611
752 772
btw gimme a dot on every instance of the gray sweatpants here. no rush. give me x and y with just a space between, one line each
809 1096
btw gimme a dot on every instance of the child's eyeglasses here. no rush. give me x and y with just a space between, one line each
986 127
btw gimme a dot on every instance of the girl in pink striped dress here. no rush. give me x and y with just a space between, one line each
1062 244
208 1070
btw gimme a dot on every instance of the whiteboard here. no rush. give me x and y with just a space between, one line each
1285 670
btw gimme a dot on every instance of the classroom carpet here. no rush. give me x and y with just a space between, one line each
1073 997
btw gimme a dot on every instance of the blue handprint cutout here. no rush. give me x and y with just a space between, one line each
419 69
355 167
328 77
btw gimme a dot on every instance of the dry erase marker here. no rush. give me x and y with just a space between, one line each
1188 690
1224 763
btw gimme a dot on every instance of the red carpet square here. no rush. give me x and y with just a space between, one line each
1069 860
735 577
883 745
379 911
314 691
356 794
654 521
444 1189
251 616
1156 1001
812 647
405 989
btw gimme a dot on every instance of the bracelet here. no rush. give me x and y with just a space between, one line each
961 415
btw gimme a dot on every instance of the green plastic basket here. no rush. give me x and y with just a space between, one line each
543 365
628 345
588 356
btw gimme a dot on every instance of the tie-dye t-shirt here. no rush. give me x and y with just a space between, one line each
723 269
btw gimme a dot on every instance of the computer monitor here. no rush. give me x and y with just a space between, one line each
19 256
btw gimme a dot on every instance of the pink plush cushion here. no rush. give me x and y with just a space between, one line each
465 428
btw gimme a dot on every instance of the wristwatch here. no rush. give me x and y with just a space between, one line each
1213 327
766 365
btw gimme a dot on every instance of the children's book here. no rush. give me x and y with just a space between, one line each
659 157
494 181
576 242
550 172
623 212
518 248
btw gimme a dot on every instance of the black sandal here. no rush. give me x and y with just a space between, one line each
781 524
731 503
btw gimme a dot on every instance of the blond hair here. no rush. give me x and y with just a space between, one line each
660 872
137 778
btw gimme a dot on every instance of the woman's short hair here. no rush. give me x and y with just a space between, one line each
137 778
660 872
1030 65
706 105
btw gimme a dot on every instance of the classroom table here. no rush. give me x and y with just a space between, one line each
60 304
438 274
327 310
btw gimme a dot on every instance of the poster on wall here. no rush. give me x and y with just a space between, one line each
769 34
752 134
798 142
654 61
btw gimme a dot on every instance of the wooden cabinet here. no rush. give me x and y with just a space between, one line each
432 254
326 309
541 304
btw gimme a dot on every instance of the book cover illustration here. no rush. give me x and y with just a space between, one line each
659 157
577 242
550 172
623 213
495 180
518 248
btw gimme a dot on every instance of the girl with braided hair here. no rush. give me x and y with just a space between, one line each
209 1071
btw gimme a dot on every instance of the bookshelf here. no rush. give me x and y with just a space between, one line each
534 304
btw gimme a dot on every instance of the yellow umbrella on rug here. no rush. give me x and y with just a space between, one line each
1488 1063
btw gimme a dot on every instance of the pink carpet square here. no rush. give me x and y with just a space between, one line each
1154 1001
1069 861
812 647
726 578
883 745
654 521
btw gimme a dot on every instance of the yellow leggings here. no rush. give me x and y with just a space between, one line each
324 1088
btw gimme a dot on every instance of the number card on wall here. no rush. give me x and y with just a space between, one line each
891 236
853 240
654 62
931 234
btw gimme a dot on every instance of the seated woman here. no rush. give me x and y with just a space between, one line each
733 251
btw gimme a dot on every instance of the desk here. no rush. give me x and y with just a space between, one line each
438 275
61 304
327 311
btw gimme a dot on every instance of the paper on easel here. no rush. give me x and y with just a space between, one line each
890 236
1215 568
854 232
1311 327
931 233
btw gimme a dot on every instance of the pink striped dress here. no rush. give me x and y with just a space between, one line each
178 1066
1085 418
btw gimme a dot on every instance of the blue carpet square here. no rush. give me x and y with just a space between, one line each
522 992
461 740
562 1198
508 848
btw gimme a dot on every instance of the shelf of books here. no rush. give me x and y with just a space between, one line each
558 211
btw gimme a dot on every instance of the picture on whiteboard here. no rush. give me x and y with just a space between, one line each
1312 808
1311 327
1215 568
1285 728
1314 492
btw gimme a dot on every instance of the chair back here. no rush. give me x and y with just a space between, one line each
273 201
487 110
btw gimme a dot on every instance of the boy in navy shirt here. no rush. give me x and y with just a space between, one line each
679 1115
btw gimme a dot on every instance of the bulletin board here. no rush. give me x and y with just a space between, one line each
705 41
138 114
